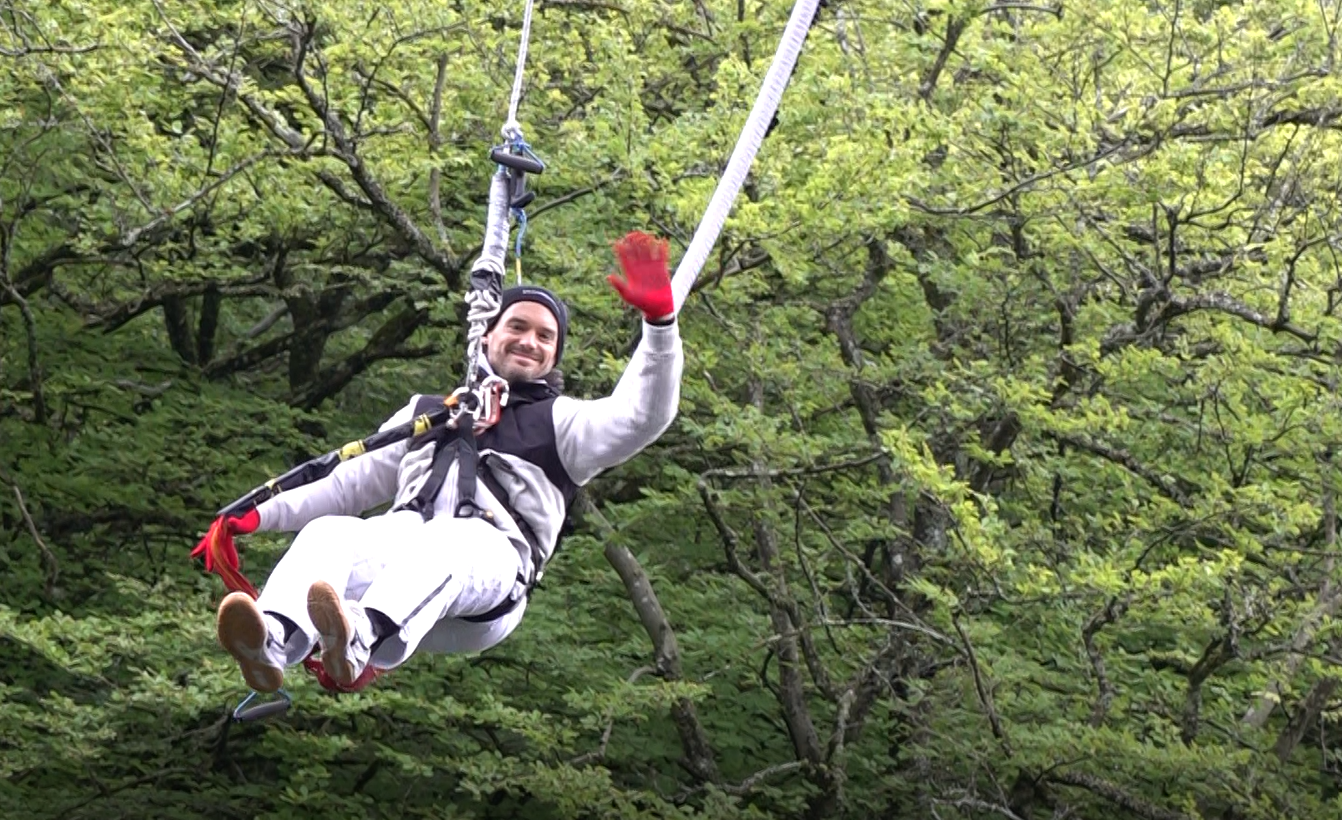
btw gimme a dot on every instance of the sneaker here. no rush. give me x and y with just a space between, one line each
345 633
244 633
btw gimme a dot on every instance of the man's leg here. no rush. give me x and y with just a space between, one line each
448 568
274 631
257 646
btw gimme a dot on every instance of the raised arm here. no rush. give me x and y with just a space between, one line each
592 436
352 487
596 435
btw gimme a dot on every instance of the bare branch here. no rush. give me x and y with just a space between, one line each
1112 611
699 757
1127 461
985 695
731 542
1114 794
52 569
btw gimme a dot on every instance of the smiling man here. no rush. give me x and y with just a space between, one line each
525 340
450 565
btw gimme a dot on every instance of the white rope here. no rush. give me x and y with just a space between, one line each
493 254
511 130
481 308
752 135
483 305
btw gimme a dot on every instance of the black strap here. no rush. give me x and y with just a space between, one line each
468 459
422 503
534 543
537 556
464 451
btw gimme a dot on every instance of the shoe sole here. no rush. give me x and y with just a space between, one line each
242 632
327 612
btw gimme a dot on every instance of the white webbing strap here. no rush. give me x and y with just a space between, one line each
752 135
483 305
511 130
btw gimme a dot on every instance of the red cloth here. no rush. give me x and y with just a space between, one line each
221 558
646 284
221 554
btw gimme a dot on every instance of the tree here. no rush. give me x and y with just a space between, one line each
1004 479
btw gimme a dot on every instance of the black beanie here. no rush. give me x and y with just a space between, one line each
541 296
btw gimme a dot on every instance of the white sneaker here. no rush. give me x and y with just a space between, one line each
344 630
243 631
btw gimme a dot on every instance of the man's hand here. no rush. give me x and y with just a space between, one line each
646 284
224 528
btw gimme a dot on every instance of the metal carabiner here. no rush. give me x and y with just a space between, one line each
245 711
493 398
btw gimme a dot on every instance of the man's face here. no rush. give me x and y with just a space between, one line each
521 347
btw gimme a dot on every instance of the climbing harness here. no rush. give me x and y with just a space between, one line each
470 409
479 402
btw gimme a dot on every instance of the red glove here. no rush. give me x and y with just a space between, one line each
220 553
646 285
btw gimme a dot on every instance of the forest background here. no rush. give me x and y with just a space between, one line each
1005 477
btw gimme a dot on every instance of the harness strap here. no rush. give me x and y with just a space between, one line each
468 461
509 604
464 451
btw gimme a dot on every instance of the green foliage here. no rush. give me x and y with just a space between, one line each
1004 482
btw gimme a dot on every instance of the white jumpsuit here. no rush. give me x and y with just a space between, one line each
426 575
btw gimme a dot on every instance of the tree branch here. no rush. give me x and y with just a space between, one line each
1114 794
347 151
847 464
378 201
1125 460
699 756
984 694
111 318
748 785
1112 611
133 235
730 542
1326 604
1224 303
955 26
384 344
29 328
49 565
599 753
1305 715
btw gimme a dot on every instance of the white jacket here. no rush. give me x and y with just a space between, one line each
590 436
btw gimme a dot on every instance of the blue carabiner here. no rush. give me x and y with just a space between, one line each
262 710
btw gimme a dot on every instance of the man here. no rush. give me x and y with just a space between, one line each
370 592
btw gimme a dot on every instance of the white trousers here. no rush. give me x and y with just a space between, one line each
422 575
